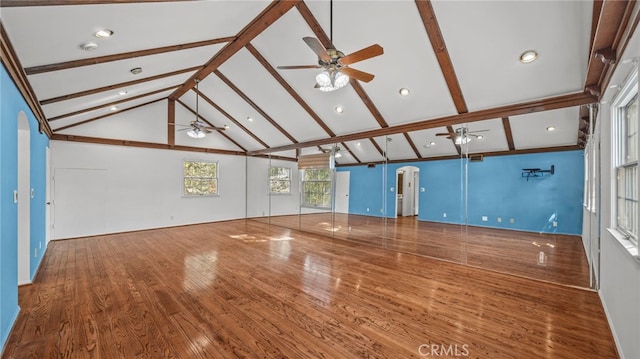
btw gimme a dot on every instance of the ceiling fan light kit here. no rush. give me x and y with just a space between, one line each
331 80
195 133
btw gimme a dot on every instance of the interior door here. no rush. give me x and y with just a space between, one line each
342 191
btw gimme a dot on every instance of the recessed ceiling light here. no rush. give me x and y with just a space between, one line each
136 70
103 33
480 137
122 93
226 127
113 108
528 56
88 46
339 109
551 128
357 143
432 143
250 119
404 91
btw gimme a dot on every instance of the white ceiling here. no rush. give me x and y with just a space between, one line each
484 40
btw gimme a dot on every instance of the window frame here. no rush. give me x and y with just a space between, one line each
328 184
215 178
271 180
621 165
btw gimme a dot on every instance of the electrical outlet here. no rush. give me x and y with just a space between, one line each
512 220
367 209
392 189
35 253
40 244
485 218
499 219
444 215
421 189
555 224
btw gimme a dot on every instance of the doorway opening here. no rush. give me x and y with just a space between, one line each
407 194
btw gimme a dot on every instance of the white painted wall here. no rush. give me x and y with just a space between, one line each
144 186
619 272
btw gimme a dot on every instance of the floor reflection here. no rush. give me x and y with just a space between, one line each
549 257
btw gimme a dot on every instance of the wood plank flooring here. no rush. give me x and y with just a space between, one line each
550 257
242 289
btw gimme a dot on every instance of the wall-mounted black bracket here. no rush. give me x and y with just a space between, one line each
537 172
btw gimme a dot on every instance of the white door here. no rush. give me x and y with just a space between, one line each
342 191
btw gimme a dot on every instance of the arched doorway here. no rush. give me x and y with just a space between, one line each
24 199
407 194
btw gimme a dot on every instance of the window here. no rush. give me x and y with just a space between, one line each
200 178
279 180
626 138
316 188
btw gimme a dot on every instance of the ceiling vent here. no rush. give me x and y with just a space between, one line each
476 158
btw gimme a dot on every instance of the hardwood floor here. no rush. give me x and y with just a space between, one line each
550 257
242 289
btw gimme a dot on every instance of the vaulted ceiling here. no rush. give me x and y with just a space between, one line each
459 59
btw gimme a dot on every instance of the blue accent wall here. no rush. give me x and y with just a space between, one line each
496 188
11 103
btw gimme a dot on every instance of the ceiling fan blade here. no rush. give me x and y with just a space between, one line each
366 53
357 74
317 47
472 132
299 67
444 134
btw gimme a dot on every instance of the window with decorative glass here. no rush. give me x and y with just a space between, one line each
200 178
626 138
316 188
279 180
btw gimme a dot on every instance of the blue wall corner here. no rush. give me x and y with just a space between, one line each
495 189
11 103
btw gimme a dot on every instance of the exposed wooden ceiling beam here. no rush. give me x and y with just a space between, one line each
326 42
377 146
115 57
507 132
228 116
552 103
106 115
164 146
413 145
442 54
111 103
171 122
289 89
611 25
116 86
222 133
14 69
624 38
267 17
254 105
350 152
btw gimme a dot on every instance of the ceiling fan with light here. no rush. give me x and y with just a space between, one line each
462 135
198 128
335 63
